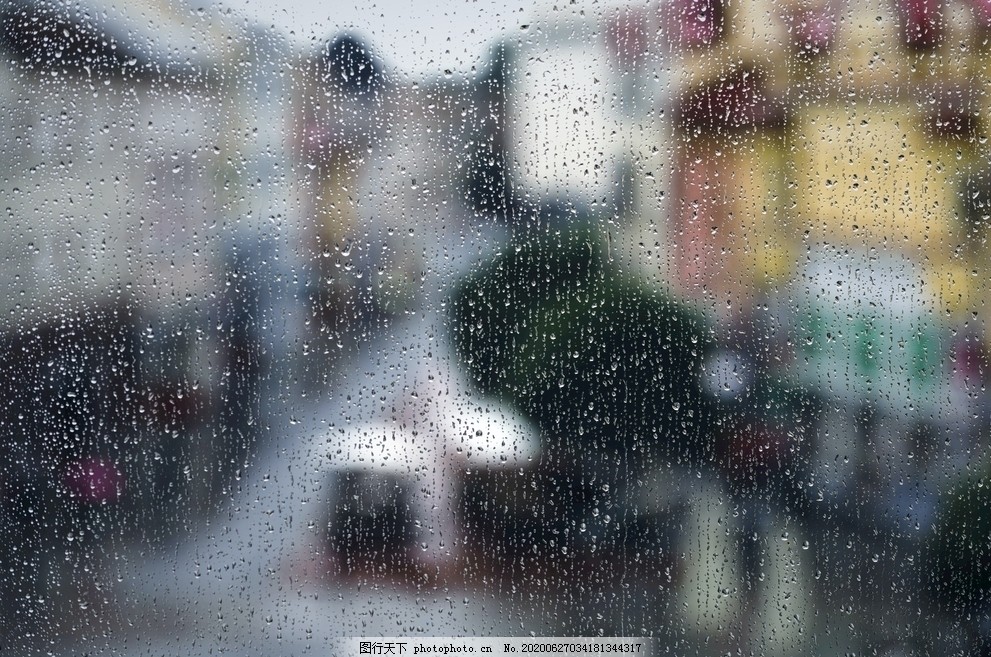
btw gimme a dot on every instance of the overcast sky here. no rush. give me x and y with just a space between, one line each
415 37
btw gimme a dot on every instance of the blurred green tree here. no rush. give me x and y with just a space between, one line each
602 364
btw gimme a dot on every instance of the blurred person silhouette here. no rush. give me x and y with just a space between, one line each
956 568
342 110
488 182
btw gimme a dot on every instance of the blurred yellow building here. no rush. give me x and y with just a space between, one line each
824 123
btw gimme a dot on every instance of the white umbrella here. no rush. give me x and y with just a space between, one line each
433 453
492 436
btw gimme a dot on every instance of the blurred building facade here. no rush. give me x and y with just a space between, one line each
811 175
132 163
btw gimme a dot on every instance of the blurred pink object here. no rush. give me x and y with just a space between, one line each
813 28
982 12
694 23
970 361
922 23
94 480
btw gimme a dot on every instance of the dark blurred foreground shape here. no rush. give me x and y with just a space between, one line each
958 562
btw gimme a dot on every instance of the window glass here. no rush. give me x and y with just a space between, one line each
648 319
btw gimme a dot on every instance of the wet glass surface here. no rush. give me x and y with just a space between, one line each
655 319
